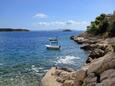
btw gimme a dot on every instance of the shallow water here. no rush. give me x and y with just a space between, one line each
24 58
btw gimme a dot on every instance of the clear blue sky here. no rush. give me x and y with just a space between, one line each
52 14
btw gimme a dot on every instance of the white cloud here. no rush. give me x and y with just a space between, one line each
41 15
70 24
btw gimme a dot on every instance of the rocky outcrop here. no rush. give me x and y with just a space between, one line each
49 79
64 77
100 72
99 69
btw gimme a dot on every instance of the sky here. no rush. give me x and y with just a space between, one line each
52 14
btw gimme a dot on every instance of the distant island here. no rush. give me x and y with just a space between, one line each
67 30
11 30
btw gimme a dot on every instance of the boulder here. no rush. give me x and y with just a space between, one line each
50 79
79 40
68 83
72 37
78 75
96 53
89 59
72 83
107 82
102 46
57 72
89 81
88 46
63 76
102 64
66 69
108 74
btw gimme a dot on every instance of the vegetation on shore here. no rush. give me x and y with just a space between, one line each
103 25
11 29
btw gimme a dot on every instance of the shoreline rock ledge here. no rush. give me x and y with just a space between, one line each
100 72
99 69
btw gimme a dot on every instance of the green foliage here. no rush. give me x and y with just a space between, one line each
112 29
102 25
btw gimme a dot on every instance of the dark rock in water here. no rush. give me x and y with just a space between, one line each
72 37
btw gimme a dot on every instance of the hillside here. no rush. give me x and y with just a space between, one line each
103 25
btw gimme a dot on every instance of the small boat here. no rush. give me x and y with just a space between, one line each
53 44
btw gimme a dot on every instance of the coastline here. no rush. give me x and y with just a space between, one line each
13 30
98 70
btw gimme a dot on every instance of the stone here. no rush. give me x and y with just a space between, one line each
96 53
72 83
108 74
63 76
66 69
60 79
68 83
49 79
57 72
102 64
78 75
107 82
89 81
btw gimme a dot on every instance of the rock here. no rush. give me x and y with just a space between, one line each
72 37
102 46
63 76
58 71
88 46
89 81
89 60
96 53
102 64
79 40
49 79
78 75
108 74
72 83
60 79
66 69
107 82
68 83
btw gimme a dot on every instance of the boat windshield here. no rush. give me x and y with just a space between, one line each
53 42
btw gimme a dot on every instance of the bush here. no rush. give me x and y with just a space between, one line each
112 29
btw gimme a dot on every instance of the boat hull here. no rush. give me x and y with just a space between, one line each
53 47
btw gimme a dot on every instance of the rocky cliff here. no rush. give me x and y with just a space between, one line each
99 69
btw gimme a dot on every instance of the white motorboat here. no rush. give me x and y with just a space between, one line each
53 44
52 47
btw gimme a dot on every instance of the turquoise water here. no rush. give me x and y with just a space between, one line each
24 58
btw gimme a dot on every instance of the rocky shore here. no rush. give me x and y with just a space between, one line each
99 69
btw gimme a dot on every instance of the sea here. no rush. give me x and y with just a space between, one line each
24 59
